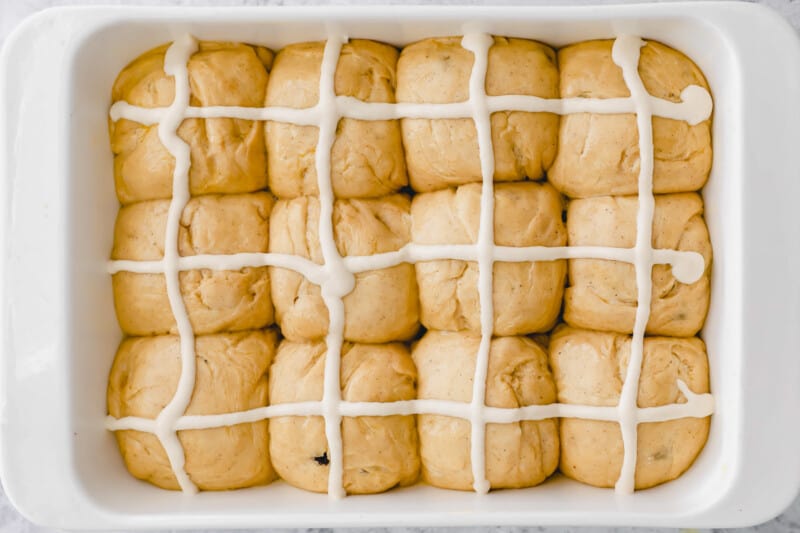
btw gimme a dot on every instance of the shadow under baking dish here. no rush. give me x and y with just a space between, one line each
94 333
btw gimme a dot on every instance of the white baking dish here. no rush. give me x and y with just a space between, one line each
61 467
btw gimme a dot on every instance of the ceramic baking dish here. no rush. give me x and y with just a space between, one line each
60 466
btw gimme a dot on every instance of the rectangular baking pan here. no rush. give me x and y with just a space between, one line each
61 468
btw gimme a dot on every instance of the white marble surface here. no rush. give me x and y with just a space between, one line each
13 11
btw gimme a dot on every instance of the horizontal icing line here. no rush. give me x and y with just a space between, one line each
695 106
307 268
690 265
138 267
143 115
136 423
414 253
301 117
253 415
152 115
696 406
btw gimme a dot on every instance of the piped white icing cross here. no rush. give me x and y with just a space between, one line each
336 275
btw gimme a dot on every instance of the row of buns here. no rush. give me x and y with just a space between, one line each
247 370
583 154
389 304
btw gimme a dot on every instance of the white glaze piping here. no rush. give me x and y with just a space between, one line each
694 107
301 265
175 65
152 115
696 406
479 44
687 266
251 415
336 279
625 54
136 423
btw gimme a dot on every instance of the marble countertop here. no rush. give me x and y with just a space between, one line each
13 11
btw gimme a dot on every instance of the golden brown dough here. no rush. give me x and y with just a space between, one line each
599 154
527 296
231 376
227 155
589 368
521 454
383 306
602 294
444 152
367 156
215 300
379 452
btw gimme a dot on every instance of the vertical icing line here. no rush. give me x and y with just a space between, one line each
176 65
337 280
479 44
625 54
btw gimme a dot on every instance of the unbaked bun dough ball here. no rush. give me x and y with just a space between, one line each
602 294
521 454
383 305
444 152
599 154
379 452
227 154
367 156
527 296
215 300
589 369
231 376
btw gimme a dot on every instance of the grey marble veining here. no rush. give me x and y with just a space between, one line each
13 11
